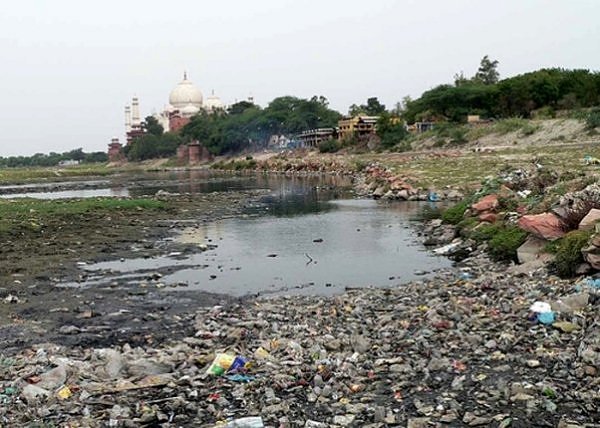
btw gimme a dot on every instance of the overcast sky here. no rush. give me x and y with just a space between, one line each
68 67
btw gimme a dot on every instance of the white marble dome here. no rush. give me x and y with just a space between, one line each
184 94
213 102
189 110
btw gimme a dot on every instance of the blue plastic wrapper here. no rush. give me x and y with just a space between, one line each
546 318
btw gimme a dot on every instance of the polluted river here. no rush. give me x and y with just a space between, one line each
303 235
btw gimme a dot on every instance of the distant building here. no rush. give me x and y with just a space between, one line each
115 151
193 153
185 101
314 137
420 127
133 121
357 126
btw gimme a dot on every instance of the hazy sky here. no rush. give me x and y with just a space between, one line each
68 67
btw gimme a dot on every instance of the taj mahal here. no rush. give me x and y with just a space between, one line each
185 100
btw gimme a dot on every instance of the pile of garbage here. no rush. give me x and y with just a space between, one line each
479 347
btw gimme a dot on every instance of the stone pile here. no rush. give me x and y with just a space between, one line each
459 349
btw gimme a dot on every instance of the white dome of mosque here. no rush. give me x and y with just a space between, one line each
185 93
213 102
189 110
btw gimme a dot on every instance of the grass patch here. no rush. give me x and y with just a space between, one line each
236 165
30 213
455 213
568 252
25 175
505 242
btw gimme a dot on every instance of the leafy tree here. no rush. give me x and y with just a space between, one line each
487 72
372 108
391 130
151 126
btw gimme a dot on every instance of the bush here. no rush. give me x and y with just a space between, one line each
568 253
330 146
484 232
455 213
593 119
505 242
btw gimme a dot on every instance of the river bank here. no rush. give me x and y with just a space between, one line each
460 348
449 351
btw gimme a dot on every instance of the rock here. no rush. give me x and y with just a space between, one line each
418 422
531 249
455 195
389 195
403 194
546 226
487 203
69 329
591 255
572 303
378 192
590 220
33 392
344 420
488 217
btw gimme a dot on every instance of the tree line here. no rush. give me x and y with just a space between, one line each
53 158
246 124
546 90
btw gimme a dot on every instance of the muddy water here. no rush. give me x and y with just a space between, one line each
304 235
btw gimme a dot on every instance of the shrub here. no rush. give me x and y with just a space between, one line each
455 213
505 242
568 253
466 226
330 146
593 119
484 232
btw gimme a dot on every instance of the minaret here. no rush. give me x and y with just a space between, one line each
135 113
127 118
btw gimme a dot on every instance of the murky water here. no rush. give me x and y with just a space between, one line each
306 235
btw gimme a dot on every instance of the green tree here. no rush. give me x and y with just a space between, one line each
372 108
391 130
151 126
487 72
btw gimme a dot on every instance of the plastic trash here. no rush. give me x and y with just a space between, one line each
240 378
433 197
540 307
249 422
546 318
220 364
239 364
542 313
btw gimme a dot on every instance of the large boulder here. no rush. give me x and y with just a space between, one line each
590 220
530 250
487 203
546 226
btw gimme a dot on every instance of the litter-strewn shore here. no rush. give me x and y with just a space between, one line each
455 350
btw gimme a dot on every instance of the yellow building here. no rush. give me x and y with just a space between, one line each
357 126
